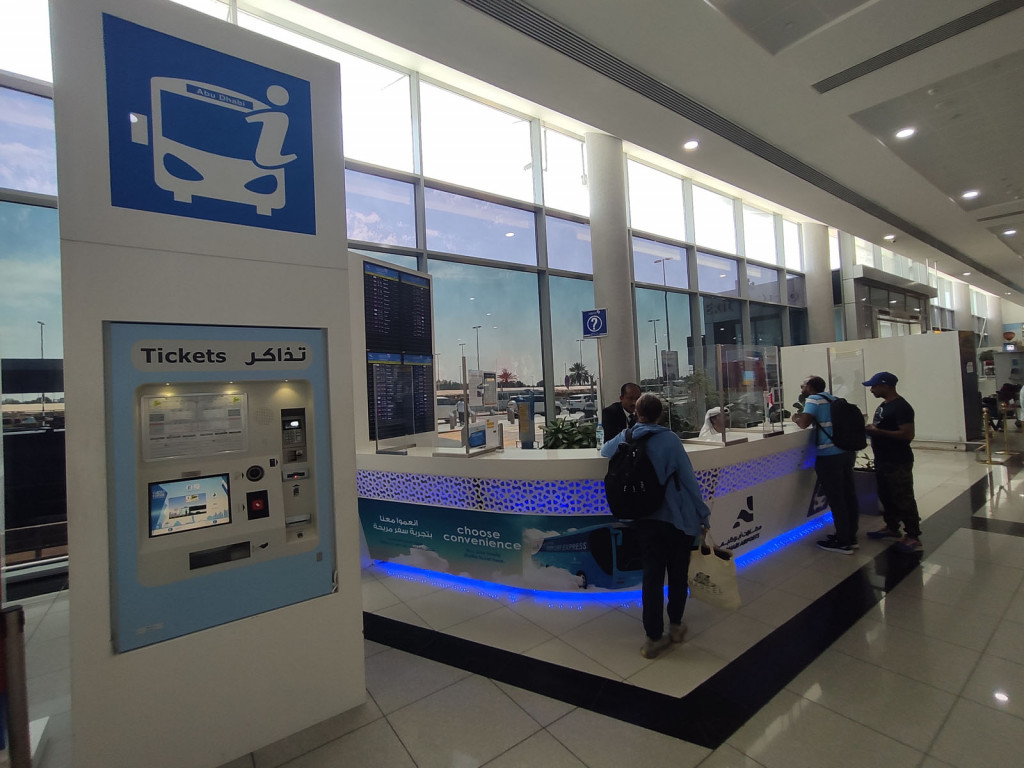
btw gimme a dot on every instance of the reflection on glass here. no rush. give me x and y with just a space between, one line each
864 252
717 275
505 305
471 227
796 290
714 220
30 283
399 260
379 210
575 361
759 235
766 324
569 246
798 326
28 145
565 184
474 145
833 249
655 201
791 245
723 321
663 335
763 284
659 263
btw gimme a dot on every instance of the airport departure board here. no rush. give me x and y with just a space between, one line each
399 354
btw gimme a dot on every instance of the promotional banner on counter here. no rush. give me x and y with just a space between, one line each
541 552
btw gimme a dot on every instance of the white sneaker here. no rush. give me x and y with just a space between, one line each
653 647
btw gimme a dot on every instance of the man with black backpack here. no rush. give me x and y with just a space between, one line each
666 529
834 464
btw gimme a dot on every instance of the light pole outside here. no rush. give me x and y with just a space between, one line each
656 356
477 329
42 396
664 282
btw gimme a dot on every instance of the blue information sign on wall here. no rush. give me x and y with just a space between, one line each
595 323
194 132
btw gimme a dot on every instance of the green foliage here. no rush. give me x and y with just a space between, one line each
566 433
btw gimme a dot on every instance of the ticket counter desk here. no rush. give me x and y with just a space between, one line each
538 519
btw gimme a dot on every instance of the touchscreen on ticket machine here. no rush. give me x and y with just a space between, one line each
224 476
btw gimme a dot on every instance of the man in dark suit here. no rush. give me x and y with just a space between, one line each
617 416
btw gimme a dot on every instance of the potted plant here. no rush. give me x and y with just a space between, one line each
565 433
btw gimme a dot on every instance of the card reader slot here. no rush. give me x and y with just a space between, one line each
207 557
297 520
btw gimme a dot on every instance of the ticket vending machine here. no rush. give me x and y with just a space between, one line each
221 476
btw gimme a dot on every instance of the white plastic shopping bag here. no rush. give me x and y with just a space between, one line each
712 577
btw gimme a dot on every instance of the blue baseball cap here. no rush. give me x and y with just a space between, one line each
882 377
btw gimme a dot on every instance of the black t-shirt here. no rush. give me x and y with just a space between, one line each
890 416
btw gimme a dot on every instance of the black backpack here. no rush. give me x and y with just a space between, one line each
848 431
631 484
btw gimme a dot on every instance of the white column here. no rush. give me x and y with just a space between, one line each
818 276
609 237
962 306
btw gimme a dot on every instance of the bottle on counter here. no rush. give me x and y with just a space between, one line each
600 436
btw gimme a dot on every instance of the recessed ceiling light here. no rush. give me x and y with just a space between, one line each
510 234
691 145
1000 696
905 133
892 301
967 274
890 238
1010 233
970 194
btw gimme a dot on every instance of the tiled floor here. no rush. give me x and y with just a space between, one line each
928 672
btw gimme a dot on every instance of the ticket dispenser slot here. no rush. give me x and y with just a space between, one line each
296 478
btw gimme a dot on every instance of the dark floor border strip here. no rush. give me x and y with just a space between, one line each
991 525
714 710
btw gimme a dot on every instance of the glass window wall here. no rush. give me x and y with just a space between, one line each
569 246
565 173
796 290
766 324
25 39
791 245
30 309
474 145
763 284
576 357
759 236
722 319
659 263
379 210
492 316
28 148
471 227
717 275
376 114
663 336
714 220
655 201
864 252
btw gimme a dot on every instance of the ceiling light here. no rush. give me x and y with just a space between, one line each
905 133
892 301
510 234
890 238
1000 696
970 194
967 274
1010 233
691 145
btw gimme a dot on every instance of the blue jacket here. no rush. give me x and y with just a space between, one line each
683 506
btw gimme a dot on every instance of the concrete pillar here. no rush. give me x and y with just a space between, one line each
613 274
818 278
962 306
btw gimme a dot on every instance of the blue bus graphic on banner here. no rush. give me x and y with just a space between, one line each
194 132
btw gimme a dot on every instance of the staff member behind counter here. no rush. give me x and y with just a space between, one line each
716 420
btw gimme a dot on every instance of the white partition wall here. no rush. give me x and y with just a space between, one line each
160 227
928 367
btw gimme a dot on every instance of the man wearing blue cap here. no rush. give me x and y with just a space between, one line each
891 431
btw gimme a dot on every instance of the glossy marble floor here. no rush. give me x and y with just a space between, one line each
833 660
